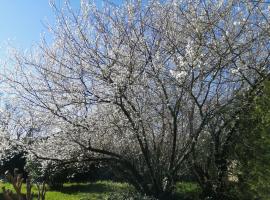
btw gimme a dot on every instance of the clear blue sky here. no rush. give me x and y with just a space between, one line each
22 21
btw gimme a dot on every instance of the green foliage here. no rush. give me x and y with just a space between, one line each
253 148
12 161
187 191
129 195
53 175
34 170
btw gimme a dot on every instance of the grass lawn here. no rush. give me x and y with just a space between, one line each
79 191
100 190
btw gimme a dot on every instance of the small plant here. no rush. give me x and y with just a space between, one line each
17 181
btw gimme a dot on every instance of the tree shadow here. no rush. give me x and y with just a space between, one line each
86 188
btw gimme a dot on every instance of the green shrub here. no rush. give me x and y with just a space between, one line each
187 191
253 148
129 195
52 174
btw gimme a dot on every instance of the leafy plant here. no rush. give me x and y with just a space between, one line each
129 195
253 148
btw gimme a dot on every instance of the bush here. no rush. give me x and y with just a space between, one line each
13 160
46 171
55 174
129 195
253 148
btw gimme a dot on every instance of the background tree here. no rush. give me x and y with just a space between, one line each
252 150
143 87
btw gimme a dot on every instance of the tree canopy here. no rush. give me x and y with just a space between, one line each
145 87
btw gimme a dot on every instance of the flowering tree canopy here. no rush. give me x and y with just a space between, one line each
141 85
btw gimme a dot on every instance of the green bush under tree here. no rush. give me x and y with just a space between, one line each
252 152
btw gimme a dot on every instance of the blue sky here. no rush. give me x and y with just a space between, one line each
22 22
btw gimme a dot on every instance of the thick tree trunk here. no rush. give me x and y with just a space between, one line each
214 185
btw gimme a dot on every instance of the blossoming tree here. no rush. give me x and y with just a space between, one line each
142 86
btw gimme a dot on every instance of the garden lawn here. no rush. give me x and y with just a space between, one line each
78 191
101 190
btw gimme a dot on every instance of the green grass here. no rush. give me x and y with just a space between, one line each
187 190
79 191
100 190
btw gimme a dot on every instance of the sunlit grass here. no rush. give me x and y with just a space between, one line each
78 191
101 190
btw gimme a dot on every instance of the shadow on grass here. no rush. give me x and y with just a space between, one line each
88 188
14 196
184 190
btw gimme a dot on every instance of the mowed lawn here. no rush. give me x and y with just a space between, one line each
99 190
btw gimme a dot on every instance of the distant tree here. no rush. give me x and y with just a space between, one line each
12 161
11 155
143 87
55 174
